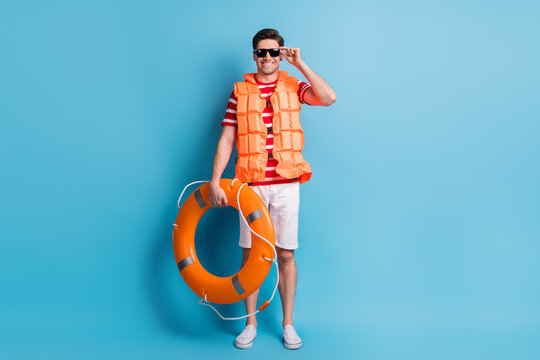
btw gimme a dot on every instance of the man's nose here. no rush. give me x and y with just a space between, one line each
268 57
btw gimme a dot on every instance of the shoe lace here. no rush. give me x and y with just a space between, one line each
290 332
248 330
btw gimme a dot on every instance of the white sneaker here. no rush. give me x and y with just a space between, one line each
246 337
291 340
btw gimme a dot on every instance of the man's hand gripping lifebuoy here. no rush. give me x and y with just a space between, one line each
218 198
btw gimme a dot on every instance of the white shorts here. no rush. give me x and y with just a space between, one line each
283 202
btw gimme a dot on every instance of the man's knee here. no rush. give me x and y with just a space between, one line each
285 256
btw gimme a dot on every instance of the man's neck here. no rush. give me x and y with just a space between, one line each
263 78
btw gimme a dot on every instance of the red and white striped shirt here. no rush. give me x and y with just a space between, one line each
267 89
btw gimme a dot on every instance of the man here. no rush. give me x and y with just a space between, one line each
269 142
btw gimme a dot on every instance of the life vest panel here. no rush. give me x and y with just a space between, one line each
252 132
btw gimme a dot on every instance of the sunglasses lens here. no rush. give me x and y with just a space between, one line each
273 52
261 52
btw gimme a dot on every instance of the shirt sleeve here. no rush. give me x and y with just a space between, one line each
302 87
230 114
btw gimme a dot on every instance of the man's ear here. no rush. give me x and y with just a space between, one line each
280 56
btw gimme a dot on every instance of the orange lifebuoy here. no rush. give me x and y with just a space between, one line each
224 290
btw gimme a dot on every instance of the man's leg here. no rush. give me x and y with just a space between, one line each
287 283
251 300
245 339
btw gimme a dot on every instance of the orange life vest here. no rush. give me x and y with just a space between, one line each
251 135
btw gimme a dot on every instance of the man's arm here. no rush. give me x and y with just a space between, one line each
223 154
320 93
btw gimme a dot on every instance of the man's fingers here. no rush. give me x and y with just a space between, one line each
220 204
286 49
223 200
218 201
289 50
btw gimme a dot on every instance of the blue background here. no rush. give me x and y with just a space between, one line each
419 229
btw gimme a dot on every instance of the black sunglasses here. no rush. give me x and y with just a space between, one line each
262 52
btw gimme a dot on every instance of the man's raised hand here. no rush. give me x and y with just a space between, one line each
291 54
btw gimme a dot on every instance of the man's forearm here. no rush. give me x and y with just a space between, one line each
223 154
322 90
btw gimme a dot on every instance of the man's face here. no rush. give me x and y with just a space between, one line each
268 64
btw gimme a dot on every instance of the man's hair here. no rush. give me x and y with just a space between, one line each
267 34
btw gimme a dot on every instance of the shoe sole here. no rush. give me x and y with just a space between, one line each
292 346
243 346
